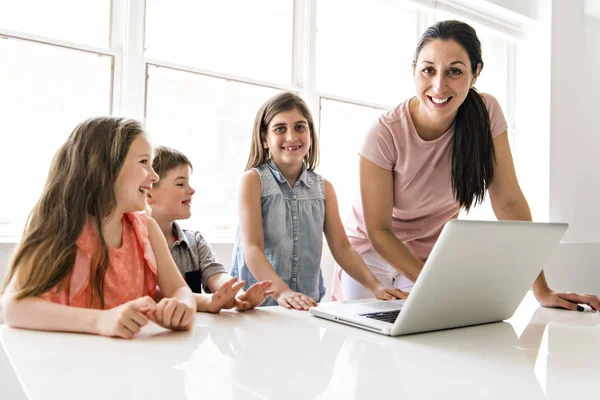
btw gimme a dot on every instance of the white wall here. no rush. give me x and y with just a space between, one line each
574 145
575 121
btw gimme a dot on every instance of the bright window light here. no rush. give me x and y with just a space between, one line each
210 120
86 22
244 38
44 92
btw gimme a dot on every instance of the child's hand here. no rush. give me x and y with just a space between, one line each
172 314
389 293
254 296
126 320
299 301
224 298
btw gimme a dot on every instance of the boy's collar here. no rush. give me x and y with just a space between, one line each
180 235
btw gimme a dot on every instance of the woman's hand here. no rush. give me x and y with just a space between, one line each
254 296
126 320
172 314
567 300
389 293
290 299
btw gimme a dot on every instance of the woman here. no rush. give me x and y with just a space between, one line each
432 155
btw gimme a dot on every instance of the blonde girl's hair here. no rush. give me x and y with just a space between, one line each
80 185
281 102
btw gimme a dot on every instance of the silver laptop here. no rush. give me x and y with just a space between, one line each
477 272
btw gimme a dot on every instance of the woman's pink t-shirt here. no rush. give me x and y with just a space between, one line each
423 199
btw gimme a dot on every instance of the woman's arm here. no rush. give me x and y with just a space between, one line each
509 203
345 255
377 194
253 243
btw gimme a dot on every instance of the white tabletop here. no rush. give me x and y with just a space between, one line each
271 353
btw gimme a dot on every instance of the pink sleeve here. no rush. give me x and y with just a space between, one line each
378 146
498 123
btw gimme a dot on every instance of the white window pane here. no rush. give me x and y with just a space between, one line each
210 120
367 53
44 92
240 37
494 76
86 22
342 131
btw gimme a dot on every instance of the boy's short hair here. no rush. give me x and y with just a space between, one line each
166 159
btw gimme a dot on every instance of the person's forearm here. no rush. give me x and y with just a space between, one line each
262 269
353 264
215 282
519 211
540 284
185 295
392 250
36 313
203 301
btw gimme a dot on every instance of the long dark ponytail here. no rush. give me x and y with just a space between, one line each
473 155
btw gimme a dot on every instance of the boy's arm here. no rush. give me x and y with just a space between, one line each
214 274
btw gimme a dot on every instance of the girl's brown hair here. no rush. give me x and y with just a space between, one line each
80 185
285 101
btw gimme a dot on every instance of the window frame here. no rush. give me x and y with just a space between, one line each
129 73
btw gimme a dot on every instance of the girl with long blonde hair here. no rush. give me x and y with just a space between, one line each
88 260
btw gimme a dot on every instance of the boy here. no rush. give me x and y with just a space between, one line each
170 200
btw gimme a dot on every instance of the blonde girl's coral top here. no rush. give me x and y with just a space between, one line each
131 272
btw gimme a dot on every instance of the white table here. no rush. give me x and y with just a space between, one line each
272 353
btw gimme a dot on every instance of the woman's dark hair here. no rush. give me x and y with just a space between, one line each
473 153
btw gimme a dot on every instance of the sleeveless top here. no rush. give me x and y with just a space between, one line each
131 272
293 221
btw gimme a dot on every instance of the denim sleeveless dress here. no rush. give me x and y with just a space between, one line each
293 220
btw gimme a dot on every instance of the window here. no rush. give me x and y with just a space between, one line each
238 37
196 72
84 22
367 54
343 127
45 90
210 120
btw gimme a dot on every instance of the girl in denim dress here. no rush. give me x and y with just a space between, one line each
285 207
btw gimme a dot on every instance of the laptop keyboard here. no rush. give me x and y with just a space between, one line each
386 316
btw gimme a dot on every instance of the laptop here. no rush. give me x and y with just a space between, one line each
478 272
